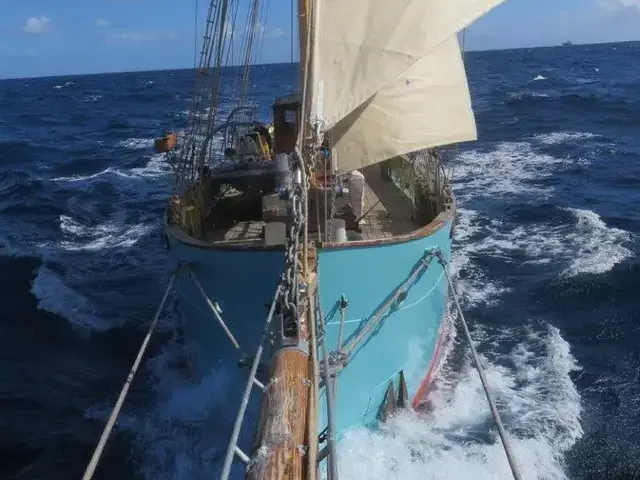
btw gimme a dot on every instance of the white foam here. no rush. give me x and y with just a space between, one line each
136 143
52 289
541 411
583 244
599 247
60 87
477 288
156 167
557 138
91 98
509 169
184 434
106 235
55 296
82 178
521 95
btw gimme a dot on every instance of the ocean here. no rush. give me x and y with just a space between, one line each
546 262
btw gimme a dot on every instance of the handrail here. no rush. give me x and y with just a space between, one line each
232 449
332 470
215 311
93 464
312 421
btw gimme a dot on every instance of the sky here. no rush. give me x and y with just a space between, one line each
45 37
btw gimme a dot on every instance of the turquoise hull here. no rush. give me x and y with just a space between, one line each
407 339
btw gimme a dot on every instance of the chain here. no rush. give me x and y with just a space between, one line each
332 206
290 284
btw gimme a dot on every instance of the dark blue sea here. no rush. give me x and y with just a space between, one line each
546 262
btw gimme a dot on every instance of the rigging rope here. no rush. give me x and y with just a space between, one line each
195 38
485 385
125 389
375 319
292 36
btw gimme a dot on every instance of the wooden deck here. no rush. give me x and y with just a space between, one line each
387 209
387 212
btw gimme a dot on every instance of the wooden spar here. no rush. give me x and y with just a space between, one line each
304 39
305 30
286 439
286 444
303 19
282 429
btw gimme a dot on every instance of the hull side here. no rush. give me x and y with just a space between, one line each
242 282
408 338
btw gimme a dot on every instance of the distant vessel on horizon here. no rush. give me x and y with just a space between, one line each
567 43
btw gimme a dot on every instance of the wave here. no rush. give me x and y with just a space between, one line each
136 143
540 405
64 85
556 138
55 296
155 167
587 101
102 236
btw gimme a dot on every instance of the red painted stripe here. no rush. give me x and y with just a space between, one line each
423 391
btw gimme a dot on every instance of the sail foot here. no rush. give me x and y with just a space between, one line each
427 106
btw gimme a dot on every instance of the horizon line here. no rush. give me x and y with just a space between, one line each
88 74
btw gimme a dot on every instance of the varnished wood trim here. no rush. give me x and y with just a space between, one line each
429 229
439 222
283 422
182 237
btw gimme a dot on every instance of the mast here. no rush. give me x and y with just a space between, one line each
305 29
303 18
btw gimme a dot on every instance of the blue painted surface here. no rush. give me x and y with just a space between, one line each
244 282
406 338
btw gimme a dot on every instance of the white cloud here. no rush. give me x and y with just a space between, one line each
36 25
102 23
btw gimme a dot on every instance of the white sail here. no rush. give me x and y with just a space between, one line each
361 45
427 106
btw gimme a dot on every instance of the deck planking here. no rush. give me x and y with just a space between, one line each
387 213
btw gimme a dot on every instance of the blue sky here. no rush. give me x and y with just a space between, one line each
45 37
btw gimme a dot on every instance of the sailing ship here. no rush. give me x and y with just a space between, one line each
313 251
